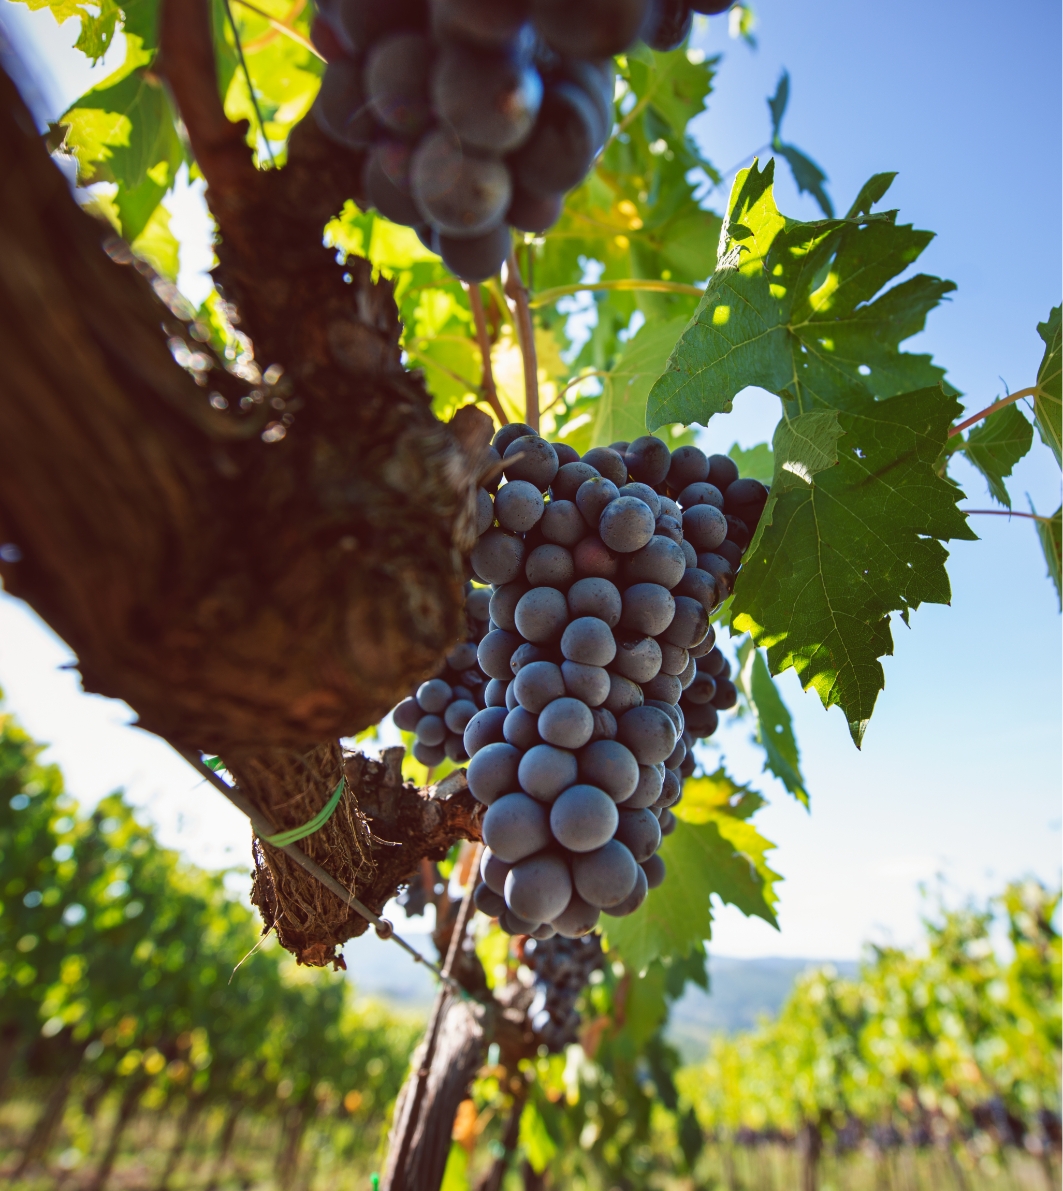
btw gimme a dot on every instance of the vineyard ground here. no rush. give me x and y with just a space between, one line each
253 1159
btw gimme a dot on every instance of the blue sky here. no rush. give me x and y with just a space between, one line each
960 771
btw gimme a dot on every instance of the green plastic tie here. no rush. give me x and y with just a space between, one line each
282 838
375 1180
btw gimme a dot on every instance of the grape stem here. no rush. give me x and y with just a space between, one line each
282 28
572 384
476 304
546 296
521 305
1006 513
992 409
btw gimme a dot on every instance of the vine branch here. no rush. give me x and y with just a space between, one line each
1006 513
992 409
517 293
476 304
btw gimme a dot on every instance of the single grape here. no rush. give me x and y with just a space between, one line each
493 771
719 568
648 460
396 81
539 887
507 434
644 493
550 565
726 694
633 900
490 98
512 924
701 493
668 822
520 729
688 466
648 732
544 931
565 454
494 652
689 625
669 25
623 695
702 719
673 659
434 695
669 527
569 478
723 471
588 640
604 724
737 532
587 683
655 871
431 730
626 524
611 767
664 687
485 22
597 598
483 729
648 608
518 506
493 872
583 818
689 553
714 663
660 561
531 458
637 658
490 469
598 79
495 693
577 919
459 194
563 144
689 765
538 684
515 826
485 517
497 557
704 527
608 463
566 723
459 714
729 552
605 876
669 508
386 182
487 901
593 496
340 108
562 523
745 499
698 585
430 755
407 714
541 614
593 558
504 601
670 710
525 654
672 787
590 28
648 789
511 697
688 675
544 771
474 258
462 656
454 747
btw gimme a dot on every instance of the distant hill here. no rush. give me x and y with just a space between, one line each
741 990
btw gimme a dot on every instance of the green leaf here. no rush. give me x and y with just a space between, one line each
456 1173
796 308
808 176
645 1006
1047 405
675 83
758 463
1050 534
535 1140
996 445
836 553
712 851
774 726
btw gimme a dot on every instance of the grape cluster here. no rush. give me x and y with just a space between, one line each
562 967
604 572
439 710
479 115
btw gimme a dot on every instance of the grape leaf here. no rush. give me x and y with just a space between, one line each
535 1140
792 307
808 176
757 463
1048 408
841 545
714 850
1050 534
775 731
996 445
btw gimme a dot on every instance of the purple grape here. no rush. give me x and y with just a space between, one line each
583 818
536 213
459 714
590 28
588 640
490 98
664 687
508 434
504 603
633 900
569 478
563 144
588 683
595 597
541 614
673 659
704 527
340 108
550 565
538 684
660 561
434 695
494 652
648 460
545 771
623 694
539 887
605 876
626 524
577 919
611 767
386 182
483 729
515 826
518 506
644 493
655 871
497 557
407 714
474 258
459 194
493 872
562 523
521 729
593 496
396 81
609 463
698 585
531 458
723 471
637 658
688 466
648 789
487 901
566 723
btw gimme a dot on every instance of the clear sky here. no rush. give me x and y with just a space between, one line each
960 773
